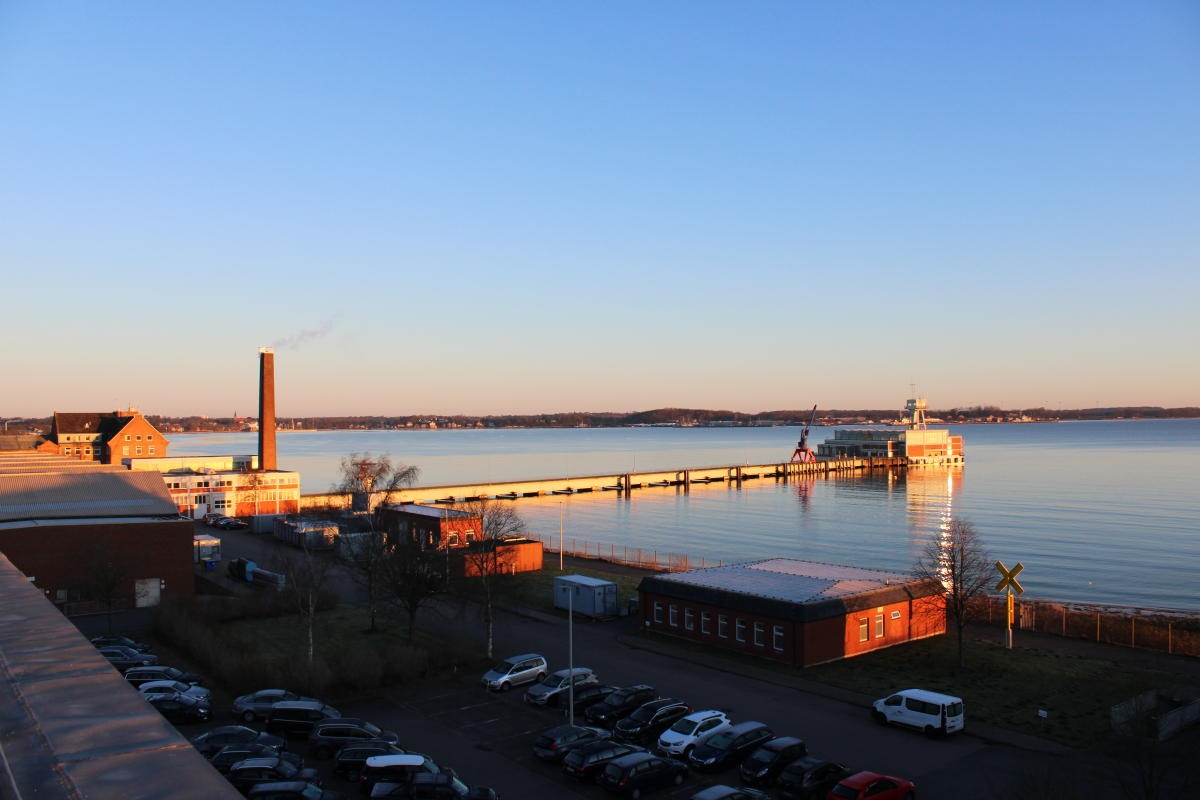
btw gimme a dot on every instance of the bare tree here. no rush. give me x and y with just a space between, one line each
411 576
307 575
957 559
485 559
365 476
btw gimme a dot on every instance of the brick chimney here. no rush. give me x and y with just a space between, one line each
266 408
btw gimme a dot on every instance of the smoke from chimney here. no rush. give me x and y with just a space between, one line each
266 408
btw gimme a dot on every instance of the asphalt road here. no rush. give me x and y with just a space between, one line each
486 737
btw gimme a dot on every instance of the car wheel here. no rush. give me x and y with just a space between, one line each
505 686
636 793
248 716
879 717
541 677
687 752
678 779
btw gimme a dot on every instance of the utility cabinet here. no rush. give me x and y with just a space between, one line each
583 595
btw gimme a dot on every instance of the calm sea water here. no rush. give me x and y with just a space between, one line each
1104 512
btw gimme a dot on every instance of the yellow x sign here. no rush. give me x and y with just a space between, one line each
1009 579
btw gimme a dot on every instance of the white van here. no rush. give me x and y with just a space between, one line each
935 714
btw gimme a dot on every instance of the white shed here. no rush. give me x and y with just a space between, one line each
583 595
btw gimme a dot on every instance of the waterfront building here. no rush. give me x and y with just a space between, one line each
916 442
231 485
459 534
109 438
792 611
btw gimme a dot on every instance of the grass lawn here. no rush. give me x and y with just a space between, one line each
1006 688
535 590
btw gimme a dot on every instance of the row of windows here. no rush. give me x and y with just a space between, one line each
759 629
138 437
864 627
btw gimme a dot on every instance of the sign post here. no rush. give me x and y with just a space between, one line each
1008 582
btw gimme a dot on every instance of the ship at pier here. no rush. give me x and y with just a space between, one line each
915 441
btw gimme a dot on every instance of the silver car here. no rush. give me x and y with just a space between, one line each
515 671
256 705
556 685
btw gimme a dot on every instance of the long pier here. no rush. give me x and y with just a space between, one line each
621 483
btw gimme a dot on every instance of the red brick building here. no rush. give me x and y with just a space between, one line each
105 437
99 536
795 612
458 533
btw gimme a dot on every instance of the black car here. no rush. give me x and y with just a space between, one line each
245 774
729 747
230 523
181 708
586 762
328 735
212 741
295 718
809 778
139 675
761 767
123 657
650 719
229 755
292 790
619 704
555 743
588 695
639 773
349 759
444 786
120 641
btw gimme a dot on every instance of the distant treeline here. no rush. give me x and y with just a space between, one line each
659 416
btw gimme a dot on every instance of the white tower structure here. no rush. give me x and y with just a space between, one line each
914 411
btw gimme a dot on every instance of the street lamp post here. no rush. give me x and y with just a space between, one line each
571 653
560 535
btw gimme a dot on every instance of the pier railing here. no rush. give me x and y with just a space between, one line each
657 560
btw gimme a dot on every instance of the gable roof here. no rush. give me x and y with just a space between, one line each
106 423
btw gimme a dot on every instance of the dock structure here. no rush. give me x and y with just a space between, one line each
620 483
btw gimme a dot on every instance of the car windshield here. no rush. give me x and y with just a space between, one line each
286 768
720 740
554 681
759 758
684 726
312 792
504 667
643 714
372 729
842 790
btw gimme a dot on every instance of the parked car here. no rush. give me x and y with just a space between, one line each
586 696
174 687
587 761
180 708
160 672
554 744
557 685
350 758
727 748
935 714
680 738
211 518
872 785
761 767
120 641
636 774
256 704
328 735
619 704
295 718
292 790
393 768
210 742
229 523
441 786
245 774
649 720
723 792
809 778
123 657
229 755
515 671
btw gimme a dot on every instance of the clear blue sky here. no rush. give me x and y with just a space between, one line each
505 207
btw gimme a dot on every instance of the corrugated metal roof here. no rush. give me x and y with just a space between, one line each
115 493
790 579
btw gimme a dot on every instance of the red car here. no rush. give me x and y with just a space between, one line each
874 786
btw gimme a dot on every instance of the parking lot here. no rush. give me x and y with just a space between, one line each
487 737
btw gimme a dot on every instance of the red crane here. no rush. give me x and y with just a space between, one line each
803 455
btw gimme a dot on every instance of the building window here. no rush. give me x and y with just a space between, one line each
219 504
863 632
723 626
138 437
673 613
777 638
705 623
138 450
879 626
66 451
125 450
152 449
760 634
739 630
127 437
451 540
689 619
149 436
658 612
